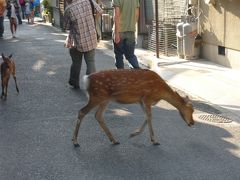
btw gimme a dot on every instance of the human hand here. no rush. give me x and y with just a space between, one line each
117 38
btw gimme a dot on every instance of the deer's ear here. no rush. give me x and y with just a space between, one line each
3 56
10 56
188 101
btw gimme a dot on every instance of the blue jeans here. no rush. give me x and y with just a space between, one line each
1 25
75 69
23 9
125 47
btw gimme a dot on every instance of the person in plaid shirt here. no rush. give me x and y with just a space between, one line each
82 38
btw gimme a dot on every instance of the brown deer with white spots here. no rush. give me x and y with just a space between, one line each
128 86
7 68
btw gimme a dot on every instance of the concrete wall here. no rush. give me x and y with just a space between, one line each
56 17
221 27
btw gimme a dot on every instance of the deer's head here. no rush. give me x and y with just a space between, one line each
187 111
7 60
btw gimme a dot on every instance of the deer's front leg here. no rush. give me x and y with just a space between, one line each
148 112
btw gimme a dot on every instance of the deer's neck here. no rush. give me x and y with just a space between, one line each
176 100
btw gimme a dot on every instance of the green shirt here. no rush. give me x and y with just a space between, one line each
127 14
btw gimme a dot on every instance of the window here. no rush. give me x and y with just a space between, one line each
221 50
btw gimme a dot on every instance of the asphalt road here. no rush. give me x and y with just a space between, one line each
36 126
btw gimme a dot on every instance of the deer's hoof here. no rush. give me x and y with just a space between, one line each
156 143
116 143
76 145
4 98
134 134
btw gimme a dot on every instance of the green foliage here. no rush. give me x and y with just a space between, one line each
47 8
45 4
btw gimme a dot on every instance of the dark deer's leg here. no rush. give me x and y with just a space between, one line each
2 90
15 79
6 88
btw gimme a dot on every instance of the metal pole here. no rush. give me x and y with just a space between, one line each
157 28
198 18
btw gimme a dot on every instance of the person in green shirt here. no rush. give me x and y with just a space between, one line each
126 13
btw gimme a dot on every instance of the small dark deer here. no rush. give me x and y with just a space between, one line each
130 86
7 68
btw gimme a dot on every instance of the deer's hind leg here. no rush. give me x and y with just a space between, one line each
141 129
146 105
148 112
81 114
99 116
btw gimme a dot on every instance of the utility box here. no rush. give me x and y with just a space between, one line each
106 26
180 40
106 23
189 35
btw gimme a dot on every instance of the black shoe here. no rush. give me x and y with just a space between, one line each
73 85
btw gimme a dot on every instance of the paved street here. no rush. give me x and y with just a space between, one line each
36 126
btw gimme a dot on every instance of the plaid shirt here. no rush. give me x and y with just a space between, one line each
78 18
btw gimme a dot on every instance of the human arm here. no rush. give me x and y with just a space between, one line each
116 24
69 43
137 14
66 19
97 8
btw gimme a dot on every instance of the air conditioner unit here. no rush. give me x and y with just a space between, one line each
210 2
193 2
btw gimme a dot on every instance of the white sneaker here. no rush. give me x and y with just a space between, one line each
14 35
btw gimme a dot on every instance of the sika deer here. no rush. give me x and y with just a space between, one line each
7 68
130 86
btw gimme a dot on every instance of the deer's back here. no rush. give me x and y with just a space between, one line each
126 85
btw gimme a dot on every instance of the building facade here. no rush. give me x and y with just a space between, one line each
219 23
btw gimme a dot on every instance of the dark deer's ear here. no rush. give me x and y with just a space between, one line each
3 57
10 56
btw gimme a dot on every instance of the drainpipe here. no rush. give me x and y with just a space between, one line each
198 19
157 32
